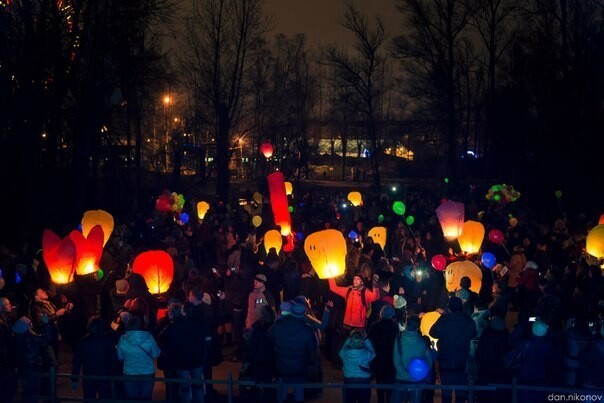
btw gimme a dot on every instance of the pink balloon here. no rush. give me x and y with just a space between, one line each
439 262
496 236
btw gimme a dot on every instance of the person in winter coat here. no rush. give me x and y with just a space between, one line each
591 363
355 315
295 346
7 352
409 345
138 289
492 344
259 360
578 338
454 332
138 349
382 334
357 354
258 298
95 354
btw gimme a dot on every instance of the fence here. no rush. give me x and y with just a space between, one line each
556 394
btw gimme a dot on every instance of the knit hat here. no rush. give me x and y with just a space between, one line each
286 308
399 301
497 323
22 325
122 286
298 310
260 278
387 312
539 328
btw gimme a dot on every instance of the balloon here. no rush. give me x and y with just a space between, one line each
496 236
488 260
558 194
439 262
326 251
184 218
100 274
256 221
446 180
257 197
399 207
300 236
513 222
418 369
380 218
353 235
410 220
290 209
163 204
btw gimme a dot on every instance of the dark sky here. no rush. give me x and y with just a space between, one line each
318 19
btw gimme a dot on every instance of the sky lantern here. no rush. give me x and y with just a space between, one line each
272 239
594 244
456 270
289 188
202 209
326 251
428 320
279 203
450 215
378 234
471 237
601 220
157 268
59 256
98 217
267 150
355 198
89 250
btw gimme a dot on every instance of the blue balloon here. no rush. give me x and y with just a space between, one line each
418 369
353 235
184 218
300 236
488 260
17 278
80 227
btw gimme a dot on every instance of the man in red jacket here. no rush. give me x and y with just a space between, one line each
358 299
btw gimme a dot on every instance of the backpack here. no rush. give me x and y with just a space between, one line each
363 300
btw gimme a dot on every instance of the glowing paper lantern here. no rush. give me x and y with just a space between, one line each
450 215
88 250
456 270
355 198
418 369
279 203
378 234
98 217
267 150
601 220
272 239
496 236
59 256
488 260
428 320
202 209
326 251
471 237
289 188
399 207
256 221
439 262
157 268
594 244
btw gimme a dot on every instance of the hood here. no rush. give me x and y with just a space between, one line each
413 337
137 337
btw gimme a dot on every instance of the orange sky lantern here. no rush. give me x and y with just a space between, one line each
59 256
355 198
279 203
273 239
157 268
289 188
594 244
88 250
98 217
202 209
326 251
378 234
456 270
471 237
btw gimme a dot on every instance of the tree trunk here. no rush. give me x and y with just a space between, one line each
222 153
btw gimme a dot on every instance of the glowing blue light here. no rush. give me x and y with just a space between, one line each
353 235
184 218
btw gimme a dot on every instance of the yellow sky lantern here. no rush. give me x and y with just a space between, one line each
355 198
471 237
378 234
450 215
594 244
326 251
289 188
202 209
456 270
428 320
98 217
272 239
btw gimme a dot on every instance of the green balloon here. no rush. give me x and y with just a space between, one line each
446 180
497 197
410 220
290 209
100 274
399 207
380 218
558 194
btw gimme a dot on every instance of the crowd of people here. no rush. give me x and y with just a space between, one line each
536 317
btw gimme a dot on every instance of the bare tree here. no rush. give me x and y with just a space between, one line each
220 35
362 72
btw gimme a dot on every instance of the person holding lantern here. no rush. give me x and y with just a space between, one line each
358 298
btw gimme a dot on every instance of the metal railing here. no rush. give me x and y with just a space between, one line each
279 386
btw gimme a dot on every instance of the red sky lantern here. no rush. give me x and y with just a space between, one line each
157 268
88 250
279 204
267 150
59 256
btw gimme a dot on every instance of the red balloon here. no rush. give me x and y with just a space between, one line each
163 204
439 262
496 236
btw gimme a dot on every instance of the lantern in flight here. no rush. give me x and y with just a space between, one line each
355 198
450 215
202 209
272 239
267 150
289 188
326 251
157 268
279 203
59 256
594 244
378 234
471 237
89 250
98 217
